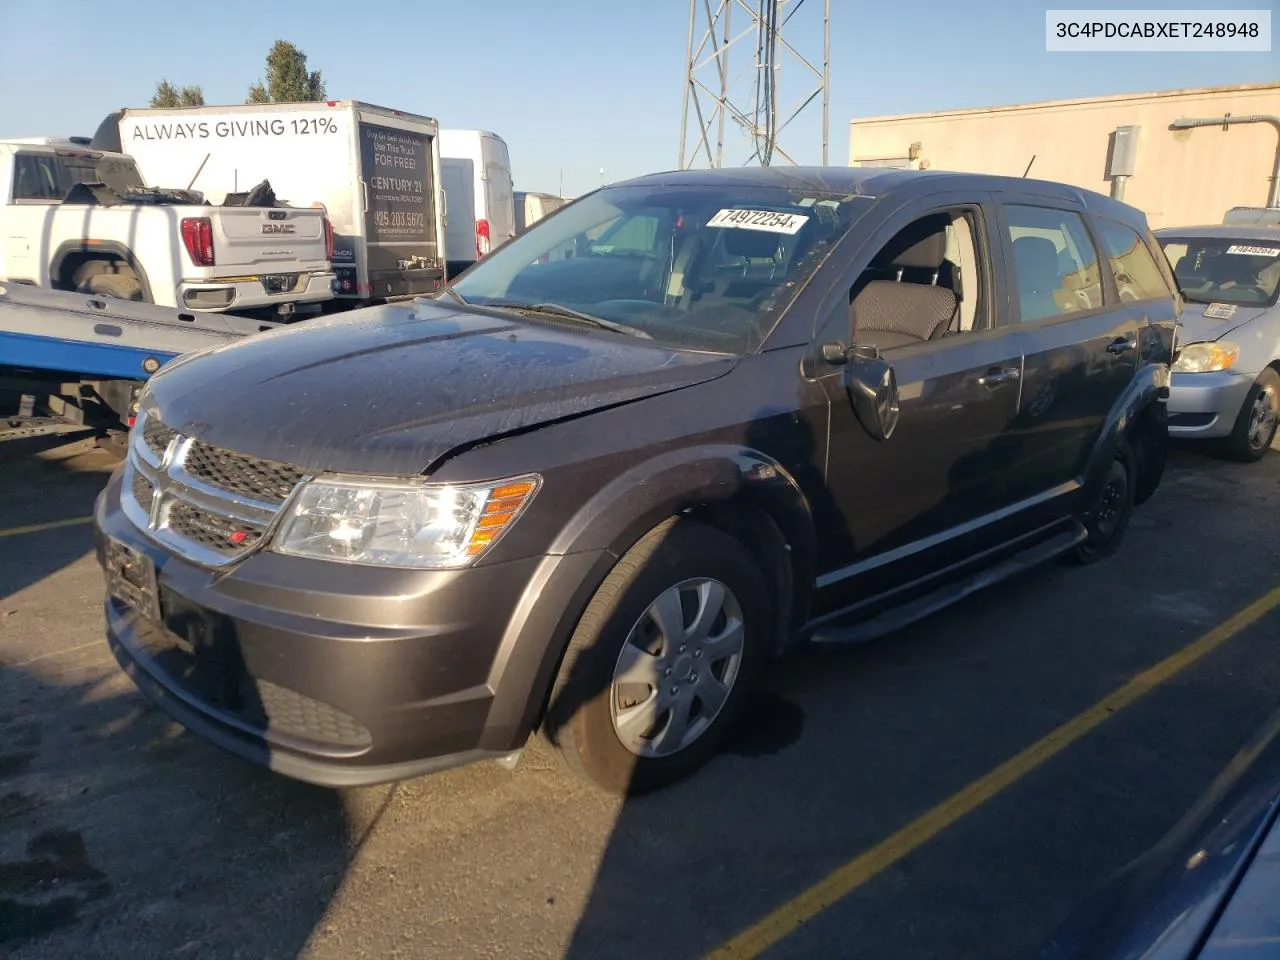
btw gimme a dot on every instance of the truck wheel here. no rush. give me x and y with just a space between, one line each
662 660
108 280
87 271
1108 517
1255 426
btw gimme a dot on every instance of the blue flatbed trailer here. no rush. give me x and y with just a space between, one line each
81 359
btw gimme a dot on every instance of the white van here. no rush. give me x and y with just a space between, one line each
480 215
532 207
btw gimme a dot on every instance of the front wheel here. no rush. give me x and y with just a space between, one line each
662 660
1255 426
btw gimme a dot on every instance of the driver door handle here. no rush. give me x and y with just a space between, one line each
998 375
1121 345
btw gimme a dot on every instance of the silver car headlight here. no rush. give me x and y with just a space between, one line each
412 525
1206 357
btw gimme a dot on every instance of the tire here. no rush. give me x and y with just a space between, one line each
592 710
1108 516
87 271
1255 426
121 286
1152 458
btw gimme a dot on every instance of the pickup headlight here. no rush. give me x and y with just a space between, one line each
1206 357
413 525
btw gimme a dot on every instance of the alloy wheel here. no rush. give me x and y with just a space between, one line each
677 667
1262 419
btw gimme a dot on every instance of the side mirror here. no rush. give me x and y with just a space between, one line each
872 387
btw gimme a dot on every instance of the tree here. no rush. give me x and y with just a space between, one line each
287 78
167 95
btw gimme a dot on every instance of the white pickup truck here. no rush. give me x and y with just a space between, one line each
73 218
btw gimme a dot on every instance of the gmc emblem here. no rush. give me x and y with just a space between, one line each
278 228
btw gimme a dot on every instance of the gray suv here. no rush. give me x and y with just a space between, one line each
678 427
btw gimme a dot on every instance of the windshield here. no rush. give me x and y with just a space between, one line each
1225 270
706 267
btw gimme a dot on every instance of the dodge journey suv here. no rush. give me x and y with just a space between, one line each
592 489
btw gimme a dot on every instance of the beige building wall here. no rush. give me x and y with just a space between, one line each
1180 176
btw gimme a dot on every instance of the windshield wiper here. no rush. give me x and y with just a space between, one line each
555 310
455 294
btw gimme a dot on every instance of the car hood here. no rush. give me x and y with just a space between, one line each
1197 328
393 389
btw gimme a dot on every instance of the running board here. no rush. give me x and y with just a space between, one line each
898 617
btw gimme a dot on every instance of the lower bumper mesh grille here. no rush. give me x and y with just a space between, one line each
217 679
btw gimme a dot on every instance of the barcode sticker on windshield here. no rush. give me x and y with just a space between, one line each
1254 251
769 221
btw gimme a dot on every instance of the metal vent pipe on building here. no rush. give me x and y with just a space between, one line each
1186 123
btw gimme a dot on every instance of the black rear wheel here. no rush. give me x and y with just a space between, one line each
1108 517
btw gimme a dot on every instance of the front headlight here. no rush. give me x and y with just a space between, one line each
421 526
1206 357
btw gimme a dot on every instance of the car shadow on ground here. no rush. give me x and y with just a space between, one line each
120 837
857 741
48 480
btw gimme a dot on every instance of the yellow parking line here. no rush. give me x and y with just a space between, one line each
41 527
844 880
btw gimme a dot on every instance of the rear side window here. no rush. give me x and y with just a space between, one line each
1137 275
48 176
35 177
1055 262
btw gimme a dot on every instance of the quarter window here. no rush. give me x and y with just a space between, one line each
35 177
1137 275
1055 262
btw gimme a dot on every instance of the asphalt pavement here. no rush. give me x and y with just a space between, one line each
123 837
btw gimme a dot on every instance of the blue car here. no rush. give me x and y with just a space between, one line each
1209 890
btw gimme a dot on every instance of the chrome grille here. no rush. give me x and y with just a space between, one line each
157 436
143 491
227 537
264 480
208 504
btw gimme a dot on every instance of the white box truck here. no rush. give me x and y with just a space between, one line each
476 177
375 171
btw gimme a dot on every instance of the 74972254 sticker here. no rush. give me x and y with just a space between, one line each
770 221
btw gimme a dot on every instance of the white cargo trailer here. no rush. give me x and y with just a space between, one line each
375 171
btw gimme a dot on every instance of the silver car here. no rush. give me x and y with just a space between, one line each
1226 378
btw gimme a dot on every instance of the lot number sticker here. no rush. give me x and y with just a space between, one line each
1220 311
769 221
1254 251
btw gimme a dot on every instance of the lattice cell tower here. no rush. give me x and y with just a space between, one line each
733 72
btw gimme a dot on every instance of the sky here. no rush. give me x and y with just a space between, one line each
573 86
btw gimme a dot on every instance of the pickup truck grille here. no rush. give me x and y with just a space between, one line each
210 505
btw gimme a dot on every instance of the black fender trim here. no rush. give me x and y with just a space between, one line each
638 500
603 529
111 248
1149 386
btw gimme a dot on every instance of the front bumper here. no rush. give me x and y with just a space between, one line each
253 292
1204 406
342 675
